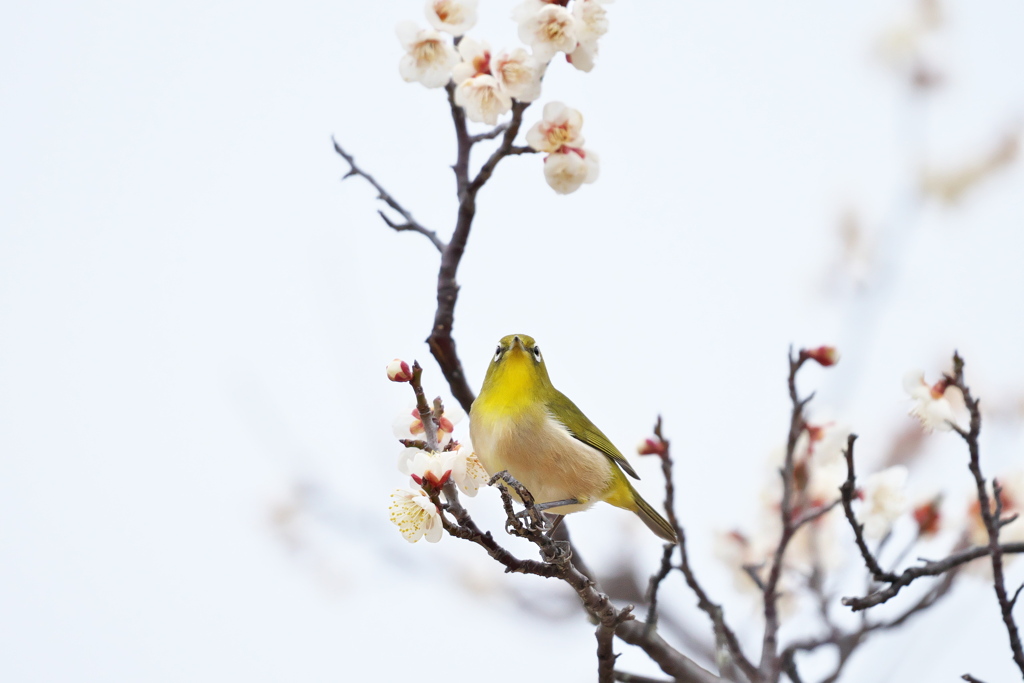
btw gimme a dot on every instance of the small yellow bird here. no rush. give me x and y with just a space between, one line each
522 424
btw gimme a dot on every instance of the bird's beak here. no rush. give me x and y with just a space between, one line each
517 343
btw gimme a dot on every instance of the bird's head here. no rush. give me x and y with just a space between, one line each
517 366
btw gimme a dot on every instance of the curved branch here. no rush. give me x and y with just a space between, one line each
410 223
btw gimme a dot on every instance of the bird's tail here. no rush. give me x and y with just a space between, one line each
626 497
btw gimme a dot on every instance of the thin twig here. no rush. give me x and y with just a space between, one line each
426 414
990 518
725 638
929 568
385 196
770 666
848 490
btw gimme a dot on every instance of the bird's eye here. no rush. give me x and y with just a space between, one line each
497 352
536 352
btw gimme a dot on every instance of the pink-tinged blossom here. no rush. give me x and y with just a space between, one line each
937 405
430 467
435 468
567 171
429 56
415 515
885 499
652 446
452 16
559 127
399 371
408 425
476 60
518 73
483 99
548 31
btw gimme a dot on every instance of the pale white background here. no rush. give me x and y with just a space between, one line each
195 316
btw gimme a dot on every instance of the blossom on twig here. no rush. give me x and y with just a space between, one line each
415 515
559 126
566 171
451 16
548 30
429 56
591 23
408 425
936 405
518 73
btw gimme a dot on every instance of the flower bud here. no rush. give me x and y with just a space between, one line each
399 371
824 355
928 517
652 446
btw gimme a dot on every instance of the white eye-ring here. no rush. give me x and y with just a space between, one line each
497 354
536 353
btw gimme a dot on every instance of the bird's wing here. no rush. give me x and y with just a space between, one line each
580 426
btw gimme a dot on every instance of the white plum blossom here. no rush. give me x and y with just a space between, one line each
518 73
885 499
429 56
567 171
935 405
483 98
583 56
415 515
560 126
476 60
591 20
452 16
468 472
591 23
549 30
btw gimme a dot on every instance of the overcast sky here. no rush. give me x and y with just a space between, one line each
195 315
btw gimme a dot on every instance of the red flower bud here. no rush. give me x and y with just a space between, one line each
652 446
928 517
399 371
824 355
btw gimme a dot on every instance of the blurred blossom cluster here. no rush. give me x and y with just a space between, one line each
486 84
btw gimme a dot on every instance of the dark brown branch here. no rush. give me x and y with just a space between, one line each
489 135
992 519
655 582
929 568
426 414
726 641
971 679
848 491
558 565
605 654
383 195
442 344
